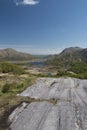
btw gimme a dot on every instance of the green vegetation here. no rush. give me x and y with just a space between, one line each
6 88
79 68
6 67
14 85
71 62
72 69
13 80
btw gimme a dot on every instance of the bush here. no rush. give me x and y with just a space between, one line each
6 88
9 67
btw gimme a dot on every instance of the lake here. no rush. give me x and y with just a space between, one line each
38 64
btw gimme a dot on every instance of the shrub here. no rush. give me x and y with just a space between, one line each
9 67
6 88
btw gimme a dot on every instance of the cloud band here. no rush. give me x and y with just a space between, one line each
26 2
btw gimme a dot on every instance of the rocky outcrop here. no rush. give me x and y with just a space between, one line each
69 113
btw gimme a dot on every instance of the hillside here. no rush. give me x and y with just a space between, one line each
75 53
11 54
70 59
69 55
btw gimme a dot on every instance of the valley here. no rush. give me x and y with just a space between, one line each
44 93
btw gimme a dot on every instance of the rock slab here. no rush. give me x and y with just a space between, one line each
70 112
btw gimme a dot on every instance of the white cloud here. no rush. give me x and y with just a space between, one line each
26 2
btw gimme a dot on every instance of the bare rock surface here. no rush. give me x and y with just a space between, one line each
70 112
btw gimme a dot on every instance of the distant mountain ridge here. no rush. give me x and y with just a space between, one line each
75 52
71 61
11 54
72 52
69 56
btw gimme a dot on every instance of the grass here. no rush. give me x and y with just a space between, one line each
16 83
10 86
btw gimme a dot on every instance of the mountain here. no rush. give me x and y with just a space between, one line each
72 54
73 59
84 53
71 50
68 54
11 54
75 54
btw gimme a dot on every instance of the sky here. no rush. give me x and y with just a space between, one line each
43 26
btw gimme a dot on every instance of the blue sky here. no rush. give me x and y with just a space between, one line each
43 26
